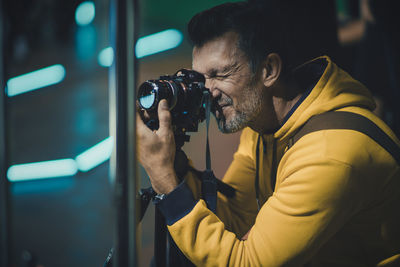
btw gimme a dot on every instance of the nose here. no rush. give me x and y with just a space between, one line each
211 85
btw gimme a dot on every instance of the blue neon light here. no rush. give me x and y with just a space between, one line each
84 162
95 155
146 46
158 42
85 13
106 57
42 170
85 43
35 80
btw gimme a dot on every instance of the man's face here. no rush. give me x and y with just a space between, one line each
236 92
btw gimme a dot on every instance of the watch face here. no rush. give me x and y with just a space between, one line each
159 197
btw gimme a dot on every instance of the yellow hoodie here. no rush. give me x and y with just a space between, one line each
336 198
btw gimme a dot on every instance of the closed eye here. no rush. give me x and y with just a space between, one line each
222 76
223 73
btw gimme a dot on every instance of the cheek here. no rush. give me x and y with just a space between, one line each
248 99
229 90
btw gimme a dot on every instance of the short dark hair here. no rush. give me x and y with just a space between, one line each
296 31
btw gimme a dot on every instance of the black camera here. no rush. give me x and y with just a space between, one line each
184 92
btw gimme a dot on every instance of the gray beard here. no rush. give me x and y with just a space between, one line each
234 125
249 113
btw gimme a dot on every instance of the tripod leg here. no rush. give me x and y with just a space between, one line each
160 240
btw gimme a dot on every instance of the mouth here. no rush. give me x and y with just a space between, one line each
219 111
219 105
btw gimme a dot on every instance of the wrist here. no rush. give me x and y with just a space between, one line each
164 184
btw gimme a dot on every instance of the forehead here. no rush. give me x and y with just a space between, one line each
217 54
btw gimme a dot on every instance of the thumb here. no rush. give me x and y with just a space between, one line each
164 116
163 105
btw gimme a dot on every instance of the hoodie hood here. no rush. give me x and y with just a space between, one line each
335 89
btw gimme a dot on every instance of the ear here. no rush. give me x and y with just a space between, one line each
271 69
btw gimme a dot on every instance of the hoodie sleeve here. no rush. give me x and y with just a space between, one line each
311 203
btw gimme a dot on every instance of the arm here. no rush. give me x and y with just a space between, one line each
156 152
310 205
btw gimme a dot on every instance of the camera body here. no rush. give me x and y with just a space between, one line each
184 92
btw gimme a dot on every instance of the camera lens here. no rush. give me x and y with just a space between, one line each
147 95
151 92
184 93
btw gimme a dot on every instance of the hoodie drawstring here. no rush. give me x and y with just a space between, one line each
257 174
273 168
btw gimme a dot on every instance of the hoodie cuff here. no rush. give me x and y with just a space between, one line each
177 204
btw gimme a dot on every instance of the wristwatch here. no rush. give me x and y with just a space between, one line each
157 198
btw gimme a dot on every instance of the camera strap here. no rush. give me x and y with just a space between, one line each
209 182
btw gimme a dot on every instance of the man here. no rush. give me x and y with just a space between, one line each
329 200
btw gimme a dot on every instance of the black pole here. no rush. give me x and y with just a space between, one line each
123 18
4 185
160 240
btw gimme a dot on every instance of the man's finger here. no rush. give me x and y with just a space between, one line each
140 126
164 116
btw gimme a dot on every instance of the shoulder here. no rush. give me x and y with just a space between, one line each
349 149
355 141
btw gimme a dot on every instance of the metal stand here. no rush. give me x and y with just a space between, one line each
160 240
123 166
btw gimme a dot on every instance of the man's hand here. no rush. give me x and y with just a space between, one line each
156 151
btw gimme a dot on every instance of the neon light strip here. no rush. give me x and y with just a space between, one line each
35 80
95 155
42 170
146 46
158 42
84 162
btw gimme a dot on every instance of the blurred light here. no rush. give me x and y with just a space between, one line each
35 80
106 57
95 155
42 170
146 46
85 43
85 13
158 42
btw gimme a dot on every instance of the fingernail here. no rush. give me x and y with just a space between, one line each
164 104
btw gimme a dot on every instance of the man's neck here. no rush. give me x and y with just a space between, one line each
284 97
283 106
276 107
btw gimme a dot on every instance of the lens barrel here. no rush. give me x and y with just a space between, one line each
153 91
184 94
